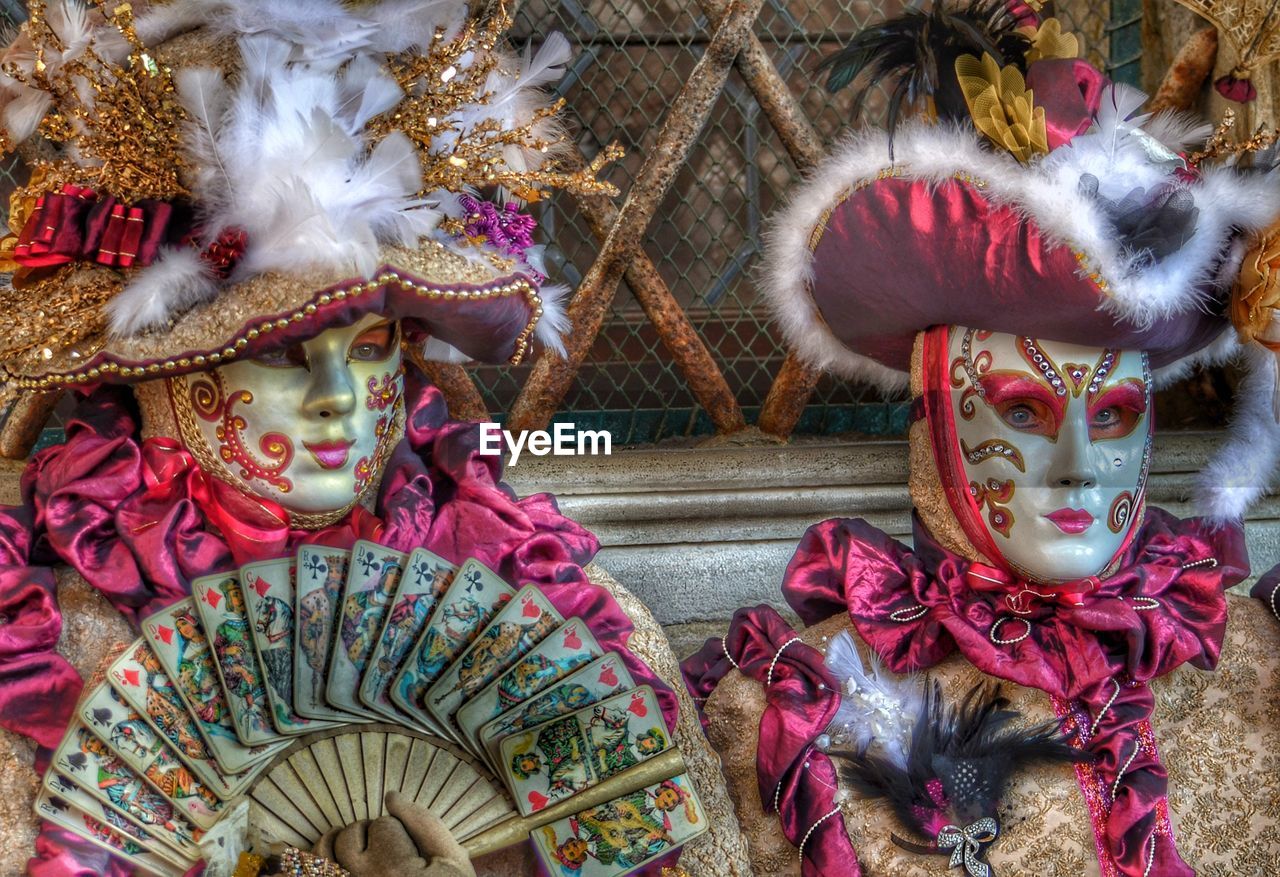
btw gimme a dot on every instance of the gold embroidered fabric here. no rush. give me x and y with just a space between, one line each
1217 733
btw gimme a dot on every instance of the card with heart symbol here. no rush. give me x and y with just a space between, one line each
268 595
622 835
566 649
550 762
602 678
515 630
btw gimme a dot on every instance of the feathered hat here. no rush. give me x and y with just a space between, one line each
213 178
1034 197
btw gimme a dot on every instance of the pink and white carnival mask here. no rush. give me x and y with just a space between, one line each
309 426
1043 448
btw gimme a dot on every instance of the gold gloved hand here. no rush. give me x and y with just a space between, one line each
408 842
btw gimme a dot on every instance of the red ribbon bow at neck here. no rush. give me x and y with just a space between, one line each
1022 596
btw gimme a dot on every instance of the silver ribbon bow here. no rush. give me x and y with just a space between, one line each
966 845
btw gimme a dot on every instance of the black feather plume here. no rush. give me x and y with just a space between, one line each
917 52
959 764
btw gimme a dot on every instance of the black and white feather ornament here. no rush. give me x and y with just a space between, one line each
942 766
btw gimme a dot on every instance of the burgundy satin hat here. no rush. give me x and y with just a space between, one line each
1035 198
244 177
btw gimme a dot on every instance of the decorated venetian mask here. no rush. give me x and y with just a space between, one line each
1043 447
309 426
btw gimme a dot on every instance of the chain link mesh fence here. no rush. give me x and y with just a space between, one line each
632 58
705 240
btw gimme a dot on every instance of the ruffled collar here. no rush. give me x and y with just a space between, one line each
1163 606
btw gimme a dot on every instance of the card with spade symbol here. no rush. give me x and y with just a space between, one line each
127 735
566 649
473 598
321 573
567 755
268 595
137 677
602 678
110 837
512 634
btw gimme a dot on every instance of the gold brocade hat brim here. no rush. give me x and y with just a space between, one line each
468 304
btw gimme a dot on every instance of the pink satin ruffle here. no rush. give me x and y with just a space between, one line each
140 520
796 780
1163 607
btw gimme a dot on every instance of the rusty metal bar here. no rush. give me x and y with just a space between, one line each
460 393
794 384
552 375
24 422
681 340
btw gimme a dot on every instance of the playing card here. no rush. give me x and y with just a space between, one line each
80 800
178 642
617 837
321 574
602 678
128 736
564 756
474 597
136 676
86 761
107 836
371 583
519 626
424 582
220 603
565 649
268 595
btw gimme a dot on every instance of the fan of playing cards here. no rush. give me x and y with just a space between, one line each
311 685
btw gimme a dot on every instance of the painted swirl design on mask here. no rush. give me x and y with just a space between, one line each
382 394
994 496
211 402
1121 511
974 368
998 448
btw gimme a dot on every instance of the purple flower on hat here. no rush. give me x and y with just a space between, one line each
508 230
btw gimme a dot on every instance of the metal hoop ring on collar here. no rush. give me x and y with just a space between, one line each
1006 642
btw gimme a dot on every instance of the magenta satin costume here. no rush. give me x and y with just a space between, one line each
1163 607
134 519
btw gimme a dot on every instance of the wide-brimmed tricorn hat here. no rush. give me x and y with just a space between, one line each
212 178
1035 199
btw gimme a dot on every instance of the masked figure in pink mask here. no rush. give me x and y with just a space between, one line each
248 228
1025 688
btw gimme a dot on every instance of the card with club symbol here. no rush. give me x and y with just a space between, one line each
268 594
128 736
371 583
426 579
321 573
473 598
178 642
551 762
566 649
602 678
519 626
622 835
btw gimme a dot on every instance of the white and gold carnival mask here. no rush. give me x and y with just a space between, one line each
309 426
1053 444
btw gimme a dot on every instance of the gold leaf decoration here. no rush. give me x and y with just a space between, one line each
1049 42
1002 107
1251 27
